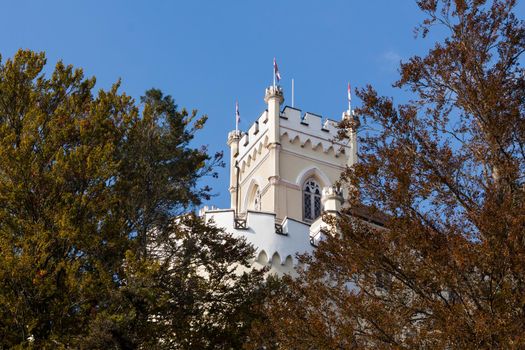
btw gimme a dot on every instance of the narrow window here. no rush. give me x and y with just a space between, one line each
257 204
254 199
311 200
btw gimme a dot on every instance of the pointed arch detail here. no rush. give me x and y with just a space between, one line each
253 194
313 172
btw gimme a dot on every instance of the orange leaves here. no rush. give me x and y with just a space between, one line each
448 170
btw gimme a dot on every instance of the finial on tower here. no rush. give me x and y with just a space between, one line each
349 115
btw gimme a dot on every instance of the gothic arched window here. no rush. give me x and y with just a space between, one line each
254 199
311 200
257 200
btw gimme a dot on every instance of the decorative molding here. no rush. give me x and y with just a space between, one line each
274 180
247 150
255 181
246 177
289 184
301 132
265 189
313 172
299 155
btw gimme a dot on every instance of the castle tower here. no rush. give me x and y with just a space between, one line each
283 176
284 161
233 142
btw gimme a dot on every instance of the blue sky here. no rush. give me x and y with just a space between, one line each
207 54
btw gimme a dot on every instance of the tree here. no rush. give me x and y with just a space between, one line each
447 171
89 186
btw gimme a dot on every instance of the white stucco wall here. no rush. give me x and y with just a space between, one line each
262 235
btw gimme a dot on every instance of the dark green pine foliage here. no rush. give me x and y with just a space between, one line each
88 183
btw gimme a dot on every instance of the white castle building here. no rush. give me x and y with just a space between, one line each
283 172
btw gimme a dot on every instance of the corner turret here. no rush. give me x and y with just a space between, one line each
354 124
332 199
274 98
233 141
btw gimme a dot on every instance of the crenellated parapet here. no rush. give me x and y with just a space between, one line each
255 135
332 193
311 130
316 124
292 122
274 91
277 244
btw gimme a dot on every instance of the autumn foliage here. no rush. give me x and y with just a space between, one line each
447 169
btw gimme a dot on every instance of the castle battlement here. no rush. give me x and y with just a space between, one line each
309 128
332 192
293 126
277 245
255 134
308 121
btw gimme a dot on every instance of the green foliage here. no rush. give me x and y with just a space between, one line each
89 183
204 301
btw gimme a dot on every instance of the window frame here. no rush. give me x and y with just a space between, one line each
313 204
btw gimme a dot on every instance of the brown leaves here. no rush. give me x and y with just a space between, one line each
445 268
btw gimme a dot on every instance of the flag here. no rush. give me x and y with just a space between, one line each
237 114
276 70
349 93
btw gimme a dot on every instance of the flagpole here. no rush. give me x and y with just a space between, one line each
236 117
276 75
292 93
274 72
349 99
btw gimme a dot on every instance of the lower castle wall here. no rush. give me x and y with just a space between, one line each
272 249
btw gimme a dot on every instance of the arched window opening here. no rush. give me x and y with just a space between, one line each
254 199
311 200
257 200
